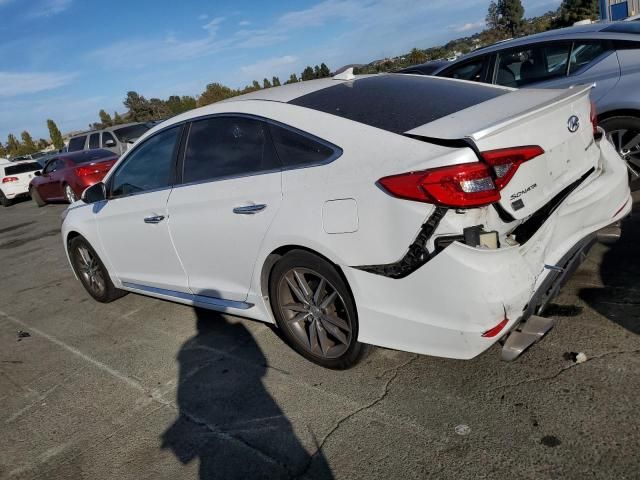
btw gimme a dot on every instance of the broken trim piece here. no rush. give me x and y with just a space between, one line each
416 256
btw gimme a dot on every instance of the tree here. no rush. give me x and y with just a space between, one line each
256 85
266 83
572 11
159 109
42 144
416 56
28 145
511 15
13 145
493 16
324 71
307 74
117 119
55 135
275 81
3 151
105 119
139 109
214 93
316 72
293 78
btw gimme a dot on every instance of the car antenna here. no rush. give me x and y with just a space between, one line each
346 75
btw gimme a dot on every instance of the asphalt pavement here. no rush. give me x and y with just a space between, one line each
142 388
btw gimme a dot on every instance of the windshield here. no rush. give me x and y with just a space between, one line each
89 156
131 132
22 168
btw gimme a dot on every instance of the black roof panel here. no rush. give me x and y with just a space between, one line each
395 102
623 27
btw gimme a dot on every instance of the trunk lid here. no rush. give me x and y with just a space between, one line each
559 121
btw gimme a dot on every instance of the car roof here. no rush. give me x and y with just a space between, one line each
108 129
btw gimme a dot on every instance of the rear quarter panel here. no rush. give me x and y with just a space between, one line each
626 95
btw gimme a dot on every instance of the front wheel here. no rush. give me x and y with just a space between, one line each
35 196
92 272
315 310
69 194
624 134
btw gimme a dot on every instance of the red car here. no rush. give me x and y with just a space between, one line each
67 175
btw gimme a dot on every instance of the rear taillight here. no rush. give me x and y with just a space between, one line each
593 116
9 179
466 185
506 161
95 168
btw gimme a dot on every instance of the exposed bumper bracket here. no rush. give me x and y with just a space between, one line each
526 335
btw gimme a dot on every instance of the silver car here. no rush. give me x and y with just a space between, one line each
607 54
117 139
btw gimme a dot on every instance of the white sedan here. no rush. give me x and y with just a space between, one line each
417 213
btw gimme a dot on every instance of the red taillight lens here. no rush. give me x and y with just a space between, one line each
95 168
492 332
466 185
506 161
593 116
9 179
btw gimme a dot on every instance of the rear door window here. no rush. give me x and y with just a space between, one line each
94 140
77 143
148 167
296 149
223 147
532 64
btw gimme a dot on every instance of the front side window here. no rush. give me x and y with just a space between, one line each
77 143
583 53
148 167
222 147
297 150
108 140
94 140
473 70
517 68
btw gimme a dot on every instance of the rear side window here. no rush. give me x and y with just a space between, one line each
473 70
94 140
298 150
583 53
77 143
222 147
148 167
22 168
520 67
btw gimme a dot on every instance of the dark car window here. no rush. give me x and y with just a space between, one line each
526 65
222 147
132 132
297 149
583 53
77 143
94 140
106 136
473 70
22 168
53 165
89 156
148 167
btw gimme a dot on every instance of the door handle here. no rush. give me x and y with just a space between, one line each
154 219
249 209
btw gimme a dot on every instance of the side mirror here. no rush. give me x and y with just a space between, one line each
110 143
95 193
37 173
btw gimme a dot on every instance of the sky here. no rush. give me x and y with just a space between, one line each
67 59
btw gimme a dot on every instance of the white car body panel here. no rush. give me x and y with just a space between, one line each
219 260
16 188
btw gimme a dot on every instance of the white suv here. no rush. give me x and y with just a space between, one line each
14 179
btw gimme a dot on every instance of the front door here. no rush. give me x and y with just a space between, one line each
133 222
230 193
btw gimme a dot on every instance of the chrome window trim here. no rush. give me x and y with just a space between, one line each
201 299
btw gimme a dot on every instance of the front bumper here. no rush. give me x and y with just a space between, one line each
444 307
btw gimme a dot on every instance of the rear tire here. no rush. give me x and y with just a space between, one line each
4 201
624 133
35 196
69 194
92 272
315 310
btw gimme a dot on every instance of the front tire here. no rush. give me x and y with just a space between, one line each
69 194
624 134
35 196
92 272
315 310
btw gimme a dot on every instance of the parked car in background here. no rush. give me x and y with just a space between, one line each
437 219
15 178
67 175
116 139
607 54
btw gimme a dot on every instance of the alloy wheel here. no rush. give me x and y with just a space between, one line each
315 313
70 194
90 270
627 143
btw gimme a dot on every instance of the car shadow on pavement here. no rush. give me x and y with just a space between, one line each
227 419
619 299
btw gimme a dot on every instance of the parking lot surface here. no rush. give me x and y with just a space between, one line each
142 388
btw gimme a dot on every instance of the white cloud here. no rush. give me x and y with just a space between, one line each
267 67
47 8
203 16
244 23
466 27
213 25
12 84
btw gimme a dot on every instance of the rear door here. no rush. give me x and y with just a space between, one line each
133 222
230 193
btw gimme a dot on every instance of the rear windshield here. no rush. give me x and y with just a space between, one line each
131 132
89 156
22 168
397 103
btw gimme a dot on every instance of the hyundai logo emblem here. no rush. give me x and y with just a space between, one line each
573 124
